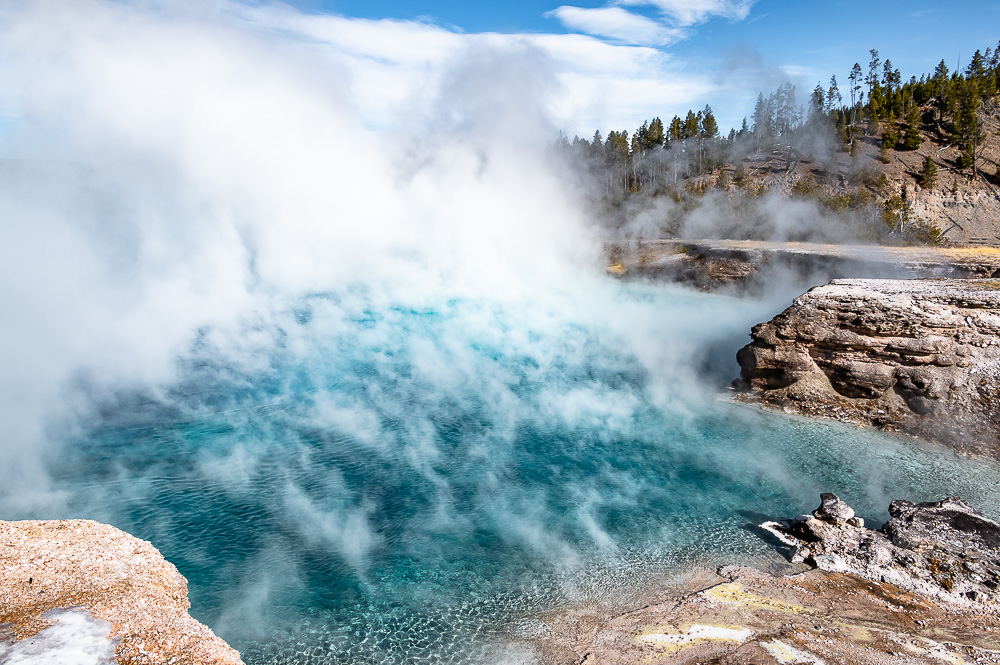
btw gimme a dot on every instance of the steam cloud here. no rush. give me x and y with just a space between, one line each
180 173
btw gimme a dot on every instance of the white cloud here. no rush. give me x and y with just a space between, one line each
683 13
615 23
392 64
676 17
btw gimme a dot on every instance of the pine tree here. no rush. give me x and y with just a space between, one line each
969 125
855 79
976 73
691 126
675 130
994 67
833 97
786 110
709 127
617 148
706 139
634 178
655 137
873 123
941 89
913 136
890 76
763 120
872 79
967 158
640 138
928 174
817 102
889 136
597 145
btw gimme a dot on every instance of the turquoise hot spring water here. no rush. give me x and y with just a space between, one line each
349 480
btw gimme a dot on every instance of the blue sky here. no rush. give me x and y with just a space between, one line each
732 48
611 64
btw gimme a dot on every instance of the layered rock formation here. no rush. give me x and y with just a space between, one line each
918 356
47 565
944 550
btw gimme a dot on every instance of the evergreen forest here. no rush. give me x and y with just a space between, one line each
833 148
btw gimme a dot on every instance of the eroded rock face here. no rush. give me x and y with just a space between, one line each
944 549
47 565
918 356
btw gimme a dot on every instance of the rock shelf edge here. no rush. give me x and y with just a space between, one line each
116 577
918 356
921 589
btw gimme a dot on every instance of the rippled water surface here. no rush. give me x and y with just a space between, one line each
349 482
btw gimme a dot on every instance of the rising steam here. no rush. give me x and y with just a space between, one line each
180 173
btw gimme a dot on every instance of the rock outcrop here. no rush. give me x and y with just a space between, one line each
944 549
918 356
47 565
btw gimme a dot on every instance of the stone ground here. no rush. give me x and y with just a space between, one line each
54 564
742 615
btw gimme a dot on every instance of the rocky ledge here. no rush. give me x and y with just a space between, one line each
923 589
751 265
49 565
944 550
920 356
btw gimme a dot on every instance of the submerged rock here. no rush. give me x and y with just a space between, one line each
943 549
920 356
115 577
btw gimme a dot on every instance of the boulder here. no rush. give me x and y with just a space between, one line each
832 509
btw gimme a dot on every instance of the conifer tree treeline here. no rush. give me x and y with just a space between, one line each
878 105
655 153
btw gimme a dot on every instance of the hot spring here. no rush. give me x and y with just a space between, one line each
374 483
370 390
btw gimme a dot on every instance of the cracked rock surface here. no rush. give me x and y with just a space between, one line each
742 615
920 356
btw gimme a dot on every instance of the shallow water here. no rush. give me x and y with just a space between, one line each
345 481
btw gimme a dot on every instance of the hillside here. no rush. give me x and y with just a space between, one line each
902 163
966 210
